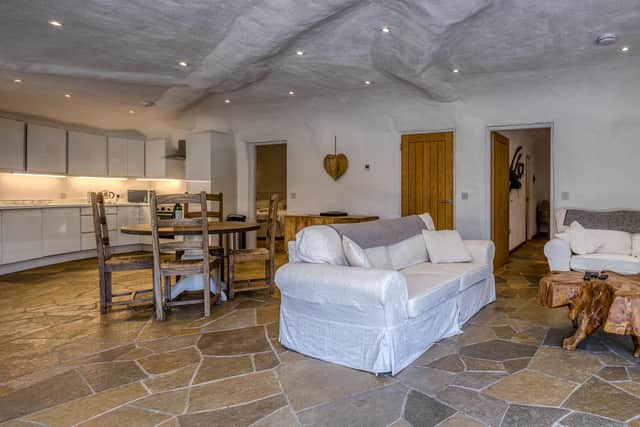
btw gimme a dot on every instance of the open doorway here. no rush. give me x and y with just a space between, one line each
270 178
520 188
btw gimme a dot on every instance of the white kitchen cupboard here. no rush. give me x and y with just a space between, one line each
154 158
87 154
21 235
198 161
60 230
12 140
117 156
135 158
46 149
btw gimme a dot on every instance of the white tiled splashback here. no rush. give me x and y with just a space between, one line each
17 187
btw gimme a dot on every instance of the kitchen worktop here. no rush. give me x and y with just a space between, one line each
61 204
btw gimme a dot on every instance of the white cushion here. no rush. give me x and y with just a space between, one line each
583 241
320 244
445 246
635 244
408 252
560 216
428 221
623 264
613 242
469 273
379 258
429 290
356 257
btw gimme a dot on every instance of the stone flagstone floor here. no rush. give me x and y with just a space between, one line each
62 364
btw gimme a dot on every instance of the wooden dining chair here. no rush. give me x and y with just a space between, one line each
216 250
163 269
108 262
237 256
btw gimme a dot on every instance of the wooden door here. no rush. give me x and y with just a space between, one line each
427 176
500 197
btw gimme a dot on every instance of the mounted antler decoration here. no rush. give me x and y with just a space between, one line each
336 164
516 170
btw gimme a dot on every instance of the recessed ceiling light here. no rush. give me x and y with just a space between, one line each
67 95
183 63
386 29
300 52
17 80
291 92
625 49
227 101
132 112
367 82
456 70
55 23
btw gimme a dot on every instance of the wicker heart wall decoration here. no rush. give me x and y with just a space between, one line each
336 164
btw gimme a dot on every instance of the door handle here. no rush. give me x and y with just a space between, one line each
446 202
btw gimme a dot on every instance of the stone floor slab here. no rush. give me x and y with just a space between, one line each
422 410
266 360
310 382
378 407
613 373
531 416
237 416
130 417
579 419
531 388
426 380
103 376
236 342
283 417
170 360
599 398
173 402
451 363
477 380
479 406
460 420
233 391
576 366
215 368
498 350
180 378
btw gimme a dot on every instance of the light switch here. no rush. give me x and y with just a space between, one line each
464 196
564 195
293 195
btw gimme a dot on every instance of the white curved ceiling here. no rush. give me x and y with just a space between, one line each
116 54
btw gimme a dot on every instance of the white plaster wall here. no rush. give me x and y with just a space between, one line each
595 151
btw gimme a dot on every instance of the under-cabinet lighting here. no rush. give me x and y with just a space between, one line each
17 80
105 178
67 95
197 180
41 175
158 179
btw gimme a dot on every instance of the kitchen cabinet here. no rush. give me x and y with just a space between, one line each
154 158
46 149
127 215
198 162
12 144
21 235
87 154
117 156
60 230
135 158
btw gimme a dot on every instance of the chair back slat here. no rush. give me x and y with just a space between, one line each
201 223
218 213
101 229
272 223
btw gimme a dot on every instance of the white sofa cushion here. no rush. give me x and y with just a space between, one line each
408 252
623 264
469 273
356 257
379 258
320 244
583 241
445 246
428 290
613 242
635 244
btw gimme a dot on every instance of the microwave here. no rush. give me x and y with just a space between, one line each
138 196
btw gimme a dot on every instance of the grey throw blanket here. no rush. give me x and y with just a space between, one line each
382 232
628 221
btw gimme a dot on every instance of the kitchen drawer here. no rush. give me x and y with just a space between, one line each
88 240
89 210
86 223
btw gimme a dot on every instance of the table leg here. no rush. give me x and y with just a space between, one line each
636 343
589 309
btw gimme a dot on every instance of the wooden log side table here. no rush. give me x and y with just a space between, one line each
614 301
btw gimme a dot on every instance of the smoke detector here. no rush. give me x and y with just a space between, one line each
606 39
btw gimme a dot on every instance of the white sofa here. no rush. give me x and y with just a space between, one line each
376 320
619 251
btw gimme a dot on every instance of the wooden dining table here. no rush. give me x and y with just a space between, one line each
221 228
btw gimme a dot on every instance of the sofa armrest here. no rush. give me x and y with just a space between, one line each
363 289
558 253
292 249
482 251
